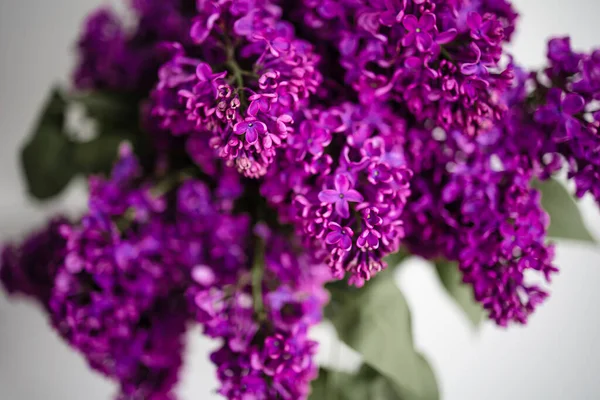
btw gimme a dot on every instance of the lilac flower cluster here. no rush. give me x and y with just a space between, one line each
568 115
114 57
30 268
467 206
293 142
343 183
247 108
441 59
266 353
112 295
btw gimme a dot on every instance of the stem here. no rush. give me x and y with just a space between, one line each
334 359
258 270
235 69
170 182
445 53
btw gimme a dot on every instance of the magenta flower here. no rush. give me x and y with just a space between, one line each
559 110
477 67
342 236
419 30
369 239
251 128
486 29
205 22
341 195
394 12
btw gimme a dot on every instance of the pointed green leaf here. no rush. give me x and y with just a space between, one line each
565 217
47 158
375 321
394 260
110 110
99 154
451 278
365 384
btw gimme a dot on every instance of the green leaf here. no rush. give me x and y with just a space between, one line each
451 278
365 384
110 110
565 217
394 260
98 155
375 321
47 158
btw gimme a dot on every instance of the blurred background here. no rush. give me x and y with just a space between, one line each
557 356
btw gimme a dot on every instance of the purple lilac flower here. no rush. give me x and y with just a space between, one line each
247 114
265 353
346 200
567 115
114 57
486 217
440 59
29 268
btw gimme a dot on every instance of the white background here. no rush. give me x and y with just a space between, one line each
557 356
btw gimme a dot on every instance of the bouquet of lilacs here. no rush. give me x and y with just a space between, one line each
255 166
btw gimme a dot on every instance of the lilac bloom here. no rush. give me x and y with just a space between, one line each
560 110
379 172
419 30
342 236
341 195
369 239
476 68
330 9
258 104
312 139
487 30
203 25
394 12
251 128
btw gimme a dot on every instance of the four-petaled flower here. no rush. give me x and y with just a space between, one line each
342 236
560 110
341 195
419 30
251 128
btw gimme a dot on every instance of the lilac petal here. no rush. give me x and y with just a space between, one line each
554 97
254 108
203 72
353 196
329 10
469 68
573 104
251 135
547 115
408 39
474 20
342 208
260 127
199 31
334 237
342 183
410 22
424 41
427 21
240 128
329 196
203 275
446 37
388 18
413 62
572 127
373 241
345 243
243 26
